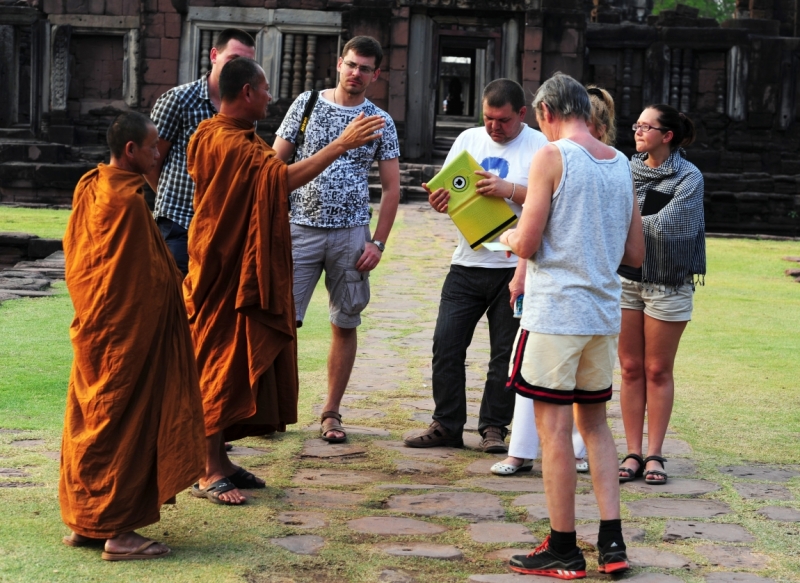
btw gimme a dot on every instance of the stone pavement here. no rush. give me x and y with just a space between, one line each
429 507
31 279
393 369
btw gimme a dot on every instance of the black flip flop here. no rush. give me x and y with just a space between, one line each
245 480
212 491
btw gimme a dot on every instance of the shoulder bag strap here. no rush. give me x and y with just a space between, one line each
301 131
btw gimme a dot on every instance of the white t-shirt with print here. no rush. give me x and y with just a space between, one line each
510 161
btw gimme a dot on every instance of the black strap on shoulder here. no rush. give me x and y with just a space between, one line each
301 131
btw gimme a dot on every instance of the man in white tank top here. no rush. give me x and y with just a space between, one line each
578 224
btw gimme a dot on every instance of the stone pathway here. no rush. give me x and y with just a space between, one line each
392 377
425 509
31 279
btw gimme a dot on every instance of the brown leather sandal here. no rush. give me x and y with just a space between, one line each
323 432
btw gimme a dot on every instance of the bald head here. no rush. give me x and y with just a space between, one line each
236 74
127 127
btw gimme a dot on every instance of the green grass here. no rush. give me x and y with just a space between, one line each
46 223
736 401
736 369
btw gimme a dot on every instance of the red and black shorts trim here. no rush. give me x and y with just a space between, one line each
555 396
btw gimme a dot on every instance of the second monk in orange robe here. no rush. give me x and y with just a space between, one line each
238 292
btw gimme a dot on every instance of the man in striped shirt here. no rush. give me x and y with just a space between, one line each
177 114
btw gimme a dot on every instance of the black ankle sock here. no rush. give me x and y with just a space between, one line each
563 543
610 531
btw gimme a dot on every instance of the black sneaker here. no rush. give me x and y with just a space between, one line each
612 558
543 561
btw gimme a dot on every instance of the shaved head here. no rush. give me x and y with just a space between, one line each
236 74
127 127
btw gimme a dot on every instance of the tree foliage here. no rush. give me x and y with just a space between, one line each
719 9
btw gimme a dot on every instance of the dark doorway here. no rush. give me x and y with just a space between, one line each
466 63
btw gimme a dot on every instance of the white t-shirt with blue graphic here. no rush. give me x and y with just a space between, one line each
510 161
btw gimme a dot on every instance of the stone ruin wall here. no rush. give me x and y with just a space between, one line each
740 83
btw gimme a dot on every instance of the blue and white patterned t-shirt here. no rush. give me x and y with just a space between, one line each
339 197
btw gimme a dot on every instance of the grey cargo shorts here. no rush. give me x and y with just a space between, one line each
336 251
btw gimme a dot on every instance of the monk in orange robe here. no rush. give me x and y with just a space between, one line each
238 292
133 428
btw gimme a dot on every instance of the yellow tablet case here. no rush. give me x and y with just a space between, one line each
479 218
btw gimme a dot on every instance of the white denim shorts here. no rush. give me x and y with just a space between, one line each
661 302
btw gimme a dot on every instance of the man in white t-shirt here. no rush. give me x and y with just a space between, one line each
480 281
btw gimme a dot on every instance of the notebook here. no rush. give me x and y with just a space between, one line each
479 218
654 201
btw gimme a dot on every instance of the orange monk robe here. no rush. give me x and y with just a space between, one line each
133 429
238 292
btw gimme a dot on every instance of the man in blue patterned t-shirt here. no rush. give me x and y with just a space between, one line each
330 215
177 114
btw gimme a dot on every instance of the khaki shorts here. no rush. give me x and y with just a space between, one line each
336 251
660 302
563 369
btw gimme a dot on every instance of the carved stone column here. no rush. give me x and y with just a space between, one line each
311 56
8 76
205 49
686 81
298 75
627 65
286 66
59 67
675 79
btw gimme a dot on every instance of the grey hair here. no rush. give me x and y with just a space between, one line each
565 97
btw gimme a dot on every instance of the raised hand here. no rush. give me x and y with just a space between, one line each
362 130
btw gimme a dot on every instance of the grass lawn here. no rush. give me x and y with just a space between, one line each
737 400
46 223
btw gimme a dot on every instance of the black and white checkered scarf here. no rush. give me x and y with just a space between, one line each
675 241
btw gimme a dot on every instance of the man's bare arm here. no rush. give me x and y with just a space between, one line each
543 179
390 198
283 148
361 130
153 176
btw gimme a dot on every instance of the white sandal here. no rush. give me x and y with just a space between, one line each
582 466
501 469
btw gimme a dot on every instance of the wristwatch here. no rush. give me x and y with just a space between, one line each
379 244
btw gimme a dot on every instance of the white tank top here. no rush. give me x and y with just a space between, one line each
572 286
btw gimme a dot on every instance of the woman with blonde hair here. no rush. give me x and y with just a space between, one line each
524 443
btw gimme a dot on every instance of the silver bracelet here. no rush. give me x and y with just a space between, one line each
513 190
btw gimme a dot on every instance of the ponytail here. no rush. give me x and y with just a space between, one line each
603 113
682 128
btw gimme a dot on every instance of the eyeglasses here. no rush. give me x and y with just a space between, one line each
647 127
363 69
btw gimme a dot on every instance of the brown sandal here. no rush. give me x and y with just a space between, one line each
337 427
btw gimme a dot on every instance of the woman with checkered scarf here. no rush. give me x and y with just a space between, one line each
657 298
